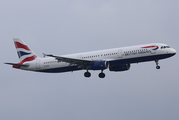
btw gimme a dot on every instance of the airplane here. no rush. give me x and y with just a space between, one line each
116 59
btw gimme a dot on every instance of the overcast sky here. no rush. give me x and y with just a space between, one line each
64 27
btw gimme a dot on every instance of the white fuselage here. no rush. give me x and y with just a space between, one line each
116 56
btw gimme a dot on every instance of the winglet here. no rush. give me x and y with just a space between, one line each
50 55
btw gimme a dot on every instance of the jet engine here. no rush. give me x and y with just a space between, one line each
118 68
99 65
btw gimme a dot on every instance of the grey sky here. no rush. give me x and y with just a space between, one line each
65 27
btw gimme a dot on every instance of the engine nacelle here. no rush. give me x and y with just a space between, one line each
117 68
100 65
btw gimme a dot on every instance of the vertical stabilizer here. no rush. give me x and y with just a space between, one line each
23 51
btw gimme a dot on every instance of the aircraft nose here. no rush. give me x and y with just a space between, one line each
173 51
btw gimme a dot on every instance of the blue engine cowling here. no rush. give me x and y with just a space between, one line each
100 65
117 68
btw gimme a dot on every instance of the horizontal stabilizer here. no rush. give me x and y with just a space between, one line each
20 65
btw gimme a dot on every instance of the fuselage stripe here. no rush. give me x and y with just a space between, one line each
149 46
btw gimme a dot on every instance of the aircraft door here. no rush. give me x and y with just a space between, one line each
38 64
153 49
80 56
120 53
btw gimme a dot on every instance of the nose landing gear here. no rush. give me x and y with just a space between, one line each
157 67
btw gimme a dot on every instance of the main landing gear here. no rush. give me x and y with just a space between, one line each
88 74
101 75
157 67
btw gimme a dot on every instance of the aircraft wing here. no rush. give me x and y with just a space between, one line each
72 61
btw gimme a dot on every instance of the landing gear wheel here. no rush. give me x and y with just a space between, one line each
158 67
87 74
101 75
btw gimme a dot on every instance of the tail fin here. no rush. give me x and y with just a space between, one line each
23 51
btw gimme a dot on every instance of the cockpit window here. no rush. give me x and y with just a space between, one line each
163 47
